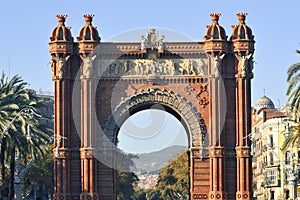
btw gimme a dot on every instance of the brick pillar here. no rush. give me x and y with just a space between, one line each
66 139
243 127
216 143
89 129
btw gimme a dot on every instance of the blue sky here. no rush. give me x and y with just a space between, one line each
26 27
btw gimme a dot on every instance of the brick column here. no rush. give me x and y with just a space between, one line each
216 143
89 129
243 128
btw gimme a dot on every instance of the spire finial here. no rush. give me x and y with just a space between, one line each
215 17
88 18
61 18
242 17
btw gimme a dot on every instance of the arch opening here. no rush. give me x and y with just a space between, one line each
158 140
155 128
179 107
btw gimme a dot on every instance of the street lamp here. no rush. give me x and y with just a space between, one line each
287 133
26 112
291 170
292 173
57 146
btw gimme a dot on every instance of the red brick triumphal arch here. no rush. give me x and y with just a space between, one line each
206 85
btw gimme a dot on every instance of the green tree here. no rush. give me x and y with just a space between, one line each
153 194
126 179
292 139
173 180
40 175
21 132
293 94
139 195
293 79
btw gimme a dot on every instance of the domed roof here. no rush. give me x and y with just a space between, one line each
241 31
215 31
264 102
61 32
88 32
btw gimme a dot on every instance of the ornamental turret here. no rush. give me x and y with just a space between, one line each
61 40
61 49
242 38
215 39
88 37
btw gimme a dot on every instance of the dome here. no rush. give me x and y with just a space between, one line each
61 32
215 31
264 102
241 31
88 33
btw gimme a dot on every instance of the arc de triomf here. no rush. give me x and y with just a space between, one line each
206 85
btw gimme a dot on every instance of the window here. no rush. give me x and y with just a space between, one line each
272 177
242 33
271 159
216 33
271 141
60 34
287 157
272 195
88 34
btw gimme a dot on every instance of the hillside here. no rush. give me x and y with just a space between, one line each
154 161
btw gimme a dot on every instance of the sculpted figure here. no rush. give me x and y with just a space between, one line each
120 67
187 67
52 65
244 64
171 67
88 65
139 69
202 67
144 43
190 67
61 62
160 43
217 60
126 66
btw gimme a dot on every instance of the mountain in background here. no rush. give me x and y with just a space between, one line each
155 161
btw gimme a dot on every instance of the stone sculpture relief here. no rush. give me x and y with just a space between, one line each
151 41
245 64
165 67
57 65
217 61
88 65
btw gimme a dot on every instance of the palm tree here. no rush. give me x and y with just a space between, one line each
291 140
9 107
293 93
22 133
293 79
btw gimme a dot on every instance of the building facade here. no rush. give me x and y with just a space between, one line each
205 84
272 166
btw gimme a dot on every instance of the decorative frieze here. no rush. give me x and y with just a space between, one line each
161 67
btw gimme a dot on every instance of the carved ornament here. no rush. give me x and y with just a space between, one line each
161 67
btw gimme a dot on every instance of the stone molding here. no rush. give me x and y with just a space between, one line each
192 119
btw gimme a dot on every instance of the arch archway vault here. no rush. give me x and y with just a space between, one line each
171 102
98 85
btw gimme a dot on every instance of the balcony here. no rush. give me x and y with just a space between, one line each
271 164
272 177
258 191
